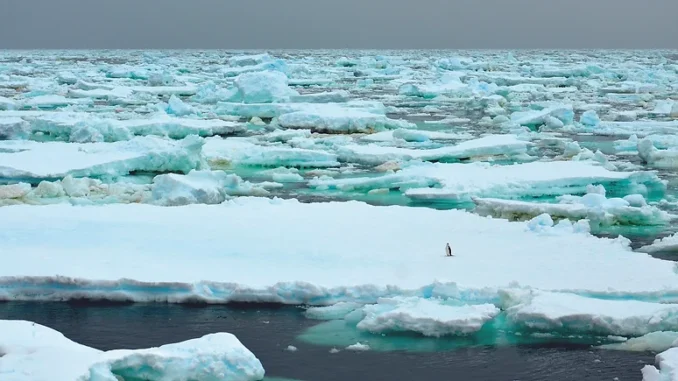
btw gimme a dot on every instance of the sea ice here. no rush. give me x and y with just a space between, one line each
14 191
241 151
333 312
449 84
13 128
7 104
460 182
505 145
84 128
667 244
177 107
655 341
594 207
249 60
326 97
414 136
200 187
664 159
667 363
33 160
570 313
52 101
319 270
31 352
589 118
335 118
535 118
428 317
358 347
263 87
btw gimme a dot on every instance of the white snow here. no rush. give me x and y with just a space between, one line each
428 317
215 253
31 352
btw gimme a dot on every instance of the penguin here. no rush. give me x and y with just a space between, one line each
448 250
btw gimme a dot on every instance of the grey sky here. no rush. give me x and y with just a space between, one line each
257 24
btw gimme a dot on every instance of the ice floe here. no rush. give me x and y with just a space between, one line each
225 153
425 316
228 266
667 244
666 367
460 182
32 352
569 313
35 161
599 210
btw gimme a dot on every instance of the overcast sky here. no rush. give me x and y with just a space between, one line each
270 24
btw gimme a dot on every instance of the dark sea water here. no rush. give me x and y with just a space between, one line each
268 329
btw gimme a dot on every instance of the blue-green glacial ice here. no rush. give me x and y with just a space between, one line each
334 180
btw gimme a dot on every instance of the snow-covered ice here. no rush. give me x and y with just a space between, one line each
211 253
505 145
666 369
593 207
425 316
526 135
228 152
32 160
569 313
462 181
32 352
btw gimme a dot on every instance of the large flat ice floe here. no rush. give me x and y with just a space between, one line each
428 317
460 182
33 161
216 254
32 352
573 314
